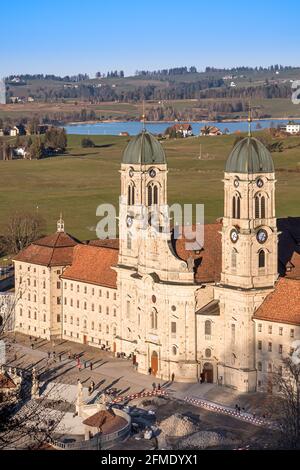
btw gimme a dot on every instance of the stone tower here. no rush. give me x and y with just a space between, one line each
155 287
249 255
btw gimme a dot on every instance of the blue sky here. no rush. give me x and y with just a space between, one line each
72 36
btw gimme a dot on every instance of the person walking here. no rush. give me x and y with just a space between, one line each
91 366
49 354
158 387
150 371
172 377
154 386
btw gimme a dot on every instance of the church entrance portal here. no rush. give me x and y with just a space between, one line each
208 373
154 363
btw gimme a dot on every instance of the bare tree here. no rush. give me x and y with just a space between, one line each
21 230
287 382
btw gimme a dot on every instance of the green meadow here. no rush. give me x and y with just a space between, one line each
76 183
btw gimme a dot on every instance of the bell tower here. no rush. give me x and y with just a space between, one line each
249 234
143 195
249 257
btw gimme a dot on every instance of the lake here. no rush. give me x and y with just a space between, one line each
134 127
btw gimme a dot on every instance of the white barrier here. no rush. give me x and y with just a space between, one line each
230 412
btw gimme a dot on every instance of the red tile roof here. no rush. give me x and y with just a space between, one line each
52 250
106 421
6 381
283 304
93 264
208 261
110 243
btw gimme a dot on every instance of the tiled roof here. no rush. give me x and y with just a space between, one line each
110 243
208 260
6 381
93 264
283 304
52 250
106 421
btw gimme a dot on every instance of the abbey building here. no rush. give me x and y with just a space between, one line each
225 312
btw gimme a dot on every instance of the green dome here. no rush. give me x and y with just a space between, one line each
144 149
249 156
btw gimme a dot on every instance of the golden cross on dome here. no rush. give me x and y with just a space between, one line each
249 119
144 116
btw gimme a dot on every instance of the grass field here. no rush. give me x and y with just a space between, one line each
84 178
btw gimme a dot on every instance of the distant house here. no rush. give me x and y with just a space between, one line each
292 127
19 152
185 130
211 130
124 134
17 130
30 99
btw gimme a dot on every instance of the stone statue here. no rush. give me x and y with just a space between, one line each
190 264
35 388
79 401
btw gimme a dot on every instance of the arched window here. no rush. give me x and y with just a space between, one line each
131 194
174 350
149 195
260 206
233 258
263 207
233 333
207 328
236 207
261 259
154 319
153 194
257 212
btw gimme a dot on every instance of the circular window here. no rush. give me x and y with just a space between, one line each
236 183
207 353
153 299
173 308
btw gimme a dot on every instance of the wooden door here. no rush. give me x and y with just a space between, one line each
84 339
154 363
208 373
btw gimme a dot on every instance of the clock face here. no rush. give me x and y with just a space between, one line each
260 183
129 221
236 183
234 236
262 236
152 173
131 172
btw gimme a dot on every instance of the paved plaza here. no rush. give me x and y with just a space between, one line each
51 360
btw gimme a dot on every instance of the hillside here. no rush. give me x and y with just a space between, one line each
84 178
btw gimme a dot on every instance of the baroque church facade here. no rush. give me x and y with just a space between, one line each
203 314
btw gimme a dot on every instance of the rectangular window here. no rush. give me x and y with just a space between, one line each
71 302
173 328
259 326
115 296
270 347
280 331
65 300
100 309
85 289
58 318
58 300
128 308
259 345
270 329
77 303
280 348
78 288
71 320
292 333
107 294
58 285
107 310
